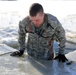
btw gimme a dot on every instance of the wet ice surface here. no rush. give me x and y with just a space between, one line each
4 49
27 65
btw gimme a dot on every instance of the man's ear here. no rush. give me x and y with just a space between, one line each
42 14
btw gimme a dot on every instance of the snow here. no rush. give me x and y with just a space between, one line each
69 24
9 36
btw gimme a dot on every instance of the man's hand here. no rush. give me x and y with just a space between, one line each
61 58
17 53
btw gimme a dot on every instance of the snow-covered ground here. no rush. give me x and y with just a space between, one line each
8 36
69 24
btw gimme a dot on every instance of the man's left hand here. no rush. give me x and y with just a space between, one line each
61 58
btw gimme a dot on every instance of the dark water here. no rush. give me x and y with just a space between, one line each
69 47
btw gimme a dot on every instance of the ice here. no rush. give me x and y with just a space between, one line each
26 65
4 49
71 56
9 36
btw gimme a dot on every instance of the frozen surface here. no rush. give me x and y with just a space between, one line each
69 24
27 65
71 55
6 49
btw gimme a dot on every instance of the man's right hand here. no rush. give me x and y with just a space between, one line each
17 53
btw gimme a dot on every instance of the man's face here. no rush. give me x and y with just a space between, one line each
38 19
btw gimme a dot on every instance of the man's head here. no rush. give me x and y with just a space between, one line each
36 13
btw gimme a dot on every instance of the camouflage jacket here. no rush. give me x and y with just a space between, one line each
40 40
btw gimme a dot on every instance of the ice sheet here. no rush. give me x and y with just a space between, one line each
6 49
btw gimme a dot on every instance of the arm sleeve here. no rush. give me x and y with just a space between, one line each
60 36
22 35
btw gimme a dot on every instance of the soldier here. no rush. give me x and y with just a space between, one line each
43 29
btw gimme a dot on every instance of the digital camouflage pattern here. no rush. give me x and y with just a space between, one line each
40 40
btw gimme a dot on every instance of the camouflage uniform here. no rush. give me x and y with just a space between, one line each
40 40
